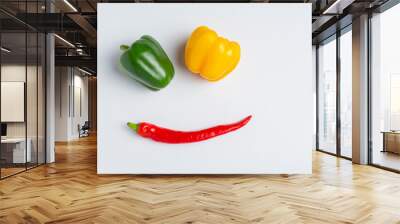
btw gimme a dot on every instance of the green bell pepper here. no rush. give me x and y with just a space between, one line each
147 63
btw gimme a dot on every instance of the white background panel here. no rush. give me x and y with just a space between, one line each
273 82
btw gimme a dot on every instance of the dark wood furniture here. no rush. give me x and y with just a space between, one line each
391 141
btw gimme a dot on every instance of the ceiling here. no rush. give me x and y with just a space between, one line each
75 22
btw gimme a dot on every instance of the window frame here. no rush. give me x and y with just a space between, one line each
334 37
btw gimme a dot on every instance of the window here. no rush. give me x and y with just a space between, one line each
385 89
22 101
334 106
327 97
346 94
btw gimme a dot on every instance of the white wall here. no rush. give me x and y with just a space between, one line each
16 72
62 82
34 125
70 83
12 101
79 117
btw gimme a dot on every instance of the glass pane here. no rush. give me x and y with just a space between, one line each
41 98
31 100
31 88
386 89
327 97
13 86
346 93
314 66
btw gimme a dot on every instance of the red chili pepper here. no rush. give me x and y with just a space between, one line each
165 135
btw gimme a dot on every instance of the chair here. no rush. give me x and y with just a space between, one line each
84 130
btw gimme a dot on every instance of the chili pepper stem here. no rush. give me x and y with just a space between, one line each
133 126
124 47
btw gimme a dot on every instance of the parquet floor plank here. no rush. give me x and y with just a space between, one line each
70 191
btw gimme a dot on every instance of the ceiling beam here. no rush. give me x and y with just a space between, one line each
81 61
86 26
337 7
332 29
322 20
49 22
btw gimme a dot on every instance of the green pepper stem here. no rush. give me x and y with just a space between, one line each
133 126
124 47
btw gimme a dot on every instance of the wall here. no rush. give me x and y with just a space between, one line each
62 80
79 104
71 102
17 73
14 73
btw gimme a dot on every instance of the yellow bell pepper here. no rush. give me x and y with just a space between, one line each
210 56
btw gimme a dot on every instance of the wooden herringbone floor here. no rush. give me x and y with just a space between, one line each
70 191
